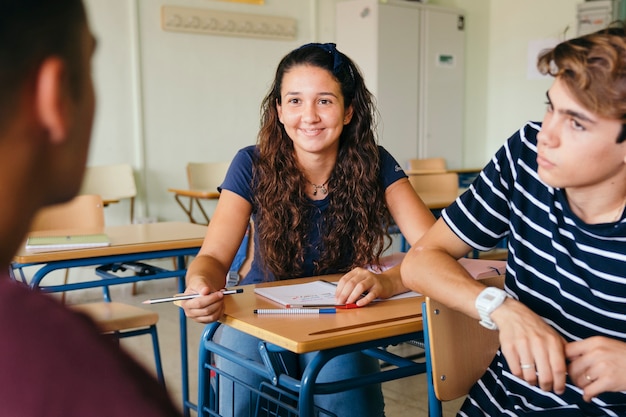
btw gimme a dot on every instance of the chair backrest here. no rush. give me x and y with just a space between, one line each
206 176
84 213
112 182
460 349
444 183
436 190
434 164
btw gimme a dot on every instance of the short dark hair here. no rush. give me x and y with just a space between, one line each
30 32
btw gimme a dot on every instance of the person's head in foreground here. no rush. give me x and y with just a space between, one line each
53 362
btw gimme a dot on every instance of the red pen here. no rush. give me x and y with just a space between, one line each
347 306
341 306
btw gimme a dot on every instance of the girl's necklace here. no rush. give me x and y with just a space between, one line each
322 188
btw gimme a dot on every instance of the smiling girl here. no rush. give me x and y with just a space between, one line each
321 194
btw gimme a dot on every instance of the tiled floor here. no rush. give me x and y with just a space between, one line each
405 397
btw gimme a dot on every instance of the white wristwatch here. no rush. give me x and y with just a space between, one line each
487 301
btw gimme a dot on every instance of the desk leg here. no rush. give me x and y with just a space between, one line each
189 209
305 402
206 216
184 354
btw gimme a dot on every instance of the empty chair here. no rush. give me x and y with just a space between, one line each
206 175
436 190
428 164
113 183
85 215
82 215
203 178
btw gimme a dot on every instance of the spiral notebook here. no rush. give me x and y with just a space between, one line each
55 243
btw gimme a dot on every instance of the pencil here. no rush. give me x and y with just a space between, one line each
187 297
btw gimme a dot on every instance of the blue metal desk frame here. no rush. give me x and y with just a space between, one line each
178 273
306 387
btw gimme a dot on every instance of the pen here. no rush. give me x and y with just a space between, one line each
341 306
290 311
347 306
187 297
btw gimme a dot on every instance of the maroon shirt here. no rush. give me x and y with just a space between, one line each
54 362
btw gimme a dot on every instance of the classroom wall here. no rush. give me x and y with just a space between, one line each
166 98
513 98
500 96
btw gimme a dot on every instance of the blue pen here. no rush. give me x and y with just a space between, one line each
290 311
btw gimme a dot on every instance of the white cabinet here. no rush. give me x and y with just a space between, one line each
598 14
412 58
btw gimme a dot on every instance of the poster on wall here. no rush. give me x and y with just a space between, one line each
535 47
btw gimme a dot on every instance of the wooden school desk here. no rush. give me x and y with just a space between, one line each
129 243
368 329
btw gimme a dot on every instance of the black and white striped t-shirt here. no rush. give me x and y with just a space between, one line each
571 273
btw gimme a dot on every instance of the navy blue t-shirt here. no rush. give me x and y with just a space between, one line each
239 180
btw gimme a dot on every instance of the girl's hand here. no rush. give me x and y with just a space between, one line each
206 309
362 286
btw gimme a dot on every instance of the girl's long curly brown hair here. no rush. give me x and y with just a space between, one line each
355 223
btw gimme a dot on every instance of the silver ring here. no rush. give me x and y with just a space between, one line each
527 365
588 378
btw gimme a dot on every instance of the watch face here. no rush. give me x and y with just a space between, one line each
489 297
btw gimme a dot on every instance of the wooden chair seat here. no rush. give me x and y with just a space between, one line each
113 316
125 320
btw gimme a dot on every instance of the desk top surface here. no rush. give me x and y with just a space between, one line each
306 333
442 171
195 193
132 238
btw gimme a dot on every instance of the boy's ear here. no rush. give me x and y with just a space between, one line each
51 98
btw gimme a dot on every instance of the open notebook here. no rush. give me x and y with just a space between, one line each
311 294
55 243
322 293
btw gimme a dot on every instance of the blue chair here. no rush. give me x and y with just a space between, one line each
458 351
